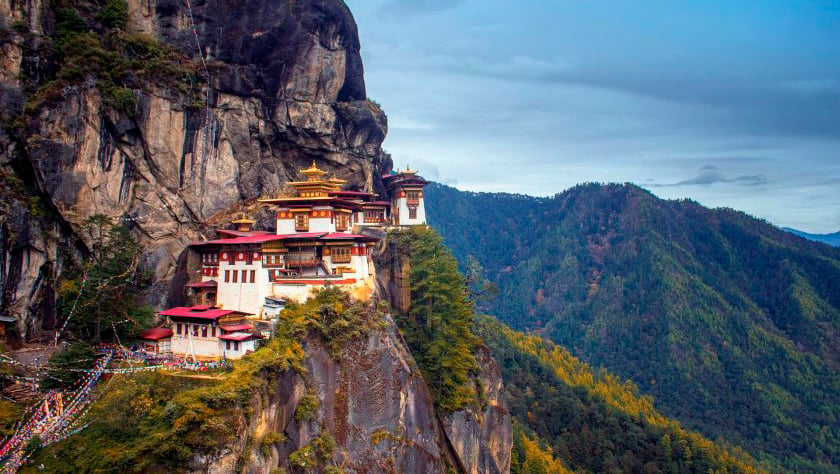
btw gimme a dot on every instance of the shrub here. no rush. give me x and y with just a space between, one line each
307 408
114 14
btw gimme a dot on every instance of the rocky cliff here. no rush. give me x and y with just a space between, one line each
480 435
374 404
374 407
217 104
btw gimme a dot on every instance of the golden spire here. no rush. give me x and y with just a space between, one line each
243 220
313 173
243 224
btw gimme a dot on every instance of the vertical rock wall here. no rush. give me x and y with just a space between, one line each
286 88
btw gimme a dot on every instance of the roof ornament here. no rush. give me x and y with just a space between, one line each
243 224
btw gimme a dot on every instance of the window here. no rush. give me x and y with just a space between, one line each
271 275
253 276
235 276
227 345
413 197
178 328
213 332
204 331
250 258
235 345
374 217
194 330
232 258
301 222
342 221
412 213
340 254
227 276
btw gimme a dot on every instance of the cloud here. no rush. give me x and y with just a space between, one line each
813 87
520 67
402 7
710 174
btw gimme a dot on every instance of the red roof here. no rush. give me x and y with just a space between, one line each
238 336
236 327
249 239
155 334
342 236
197 312
203 284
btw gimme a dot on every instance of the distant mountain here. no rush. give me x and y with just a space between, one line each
592 420
732 324
830 239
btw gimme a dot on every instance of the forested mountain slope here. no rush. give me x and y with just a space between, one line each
569 418
732 324
592 421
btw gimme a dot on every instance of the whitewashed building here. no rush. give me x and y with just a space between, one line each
203 332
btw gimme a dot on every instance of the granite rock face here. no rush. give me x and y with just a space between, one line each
286 87
375 405
372 402
477 438
483 436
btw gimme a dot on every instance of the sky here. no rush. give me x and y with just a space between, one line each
733 103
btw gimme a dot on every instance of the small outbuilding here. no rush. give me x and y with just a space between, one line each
158 341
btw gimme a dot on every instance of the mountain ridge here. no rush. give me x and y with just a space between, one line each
832 239
729 322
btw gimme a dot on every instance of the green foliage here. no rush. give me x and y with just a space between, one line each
307 408
156 422
114 14
314 456
63 368
596 422
68 23
101 298
437 328
95 48
531 456
19 26
10 414
731 323
15 192
270 439
332 315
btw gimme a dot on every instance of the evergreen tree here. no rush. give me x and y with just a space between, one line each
100 299
437 327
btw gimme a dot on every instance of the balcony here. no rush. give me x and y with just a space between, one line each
302 259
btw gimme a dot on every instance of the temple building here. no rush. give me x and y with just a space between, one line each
320 241
406 191
205 332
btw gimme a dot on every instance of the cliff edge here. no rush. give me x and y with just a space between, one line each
168 116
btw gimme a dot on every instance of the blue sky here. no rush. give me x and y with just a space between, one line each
732 103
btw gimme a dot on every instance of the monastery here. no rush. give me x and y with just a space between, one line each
246 275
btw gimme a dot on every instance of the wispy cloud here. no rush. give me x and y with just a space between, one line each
401 7
816 87
710 174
